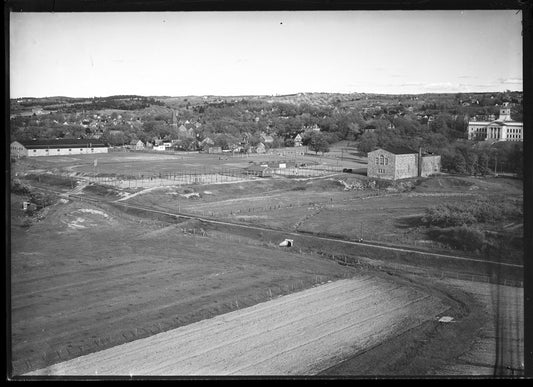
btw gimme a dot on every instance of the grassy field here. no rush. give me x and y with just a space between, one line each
152 164
324 206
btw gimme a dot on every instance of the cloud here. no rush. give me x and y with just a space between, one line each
513 80
409 84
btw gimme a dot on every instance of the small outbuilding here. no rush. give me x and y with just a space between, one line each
259 170
287 243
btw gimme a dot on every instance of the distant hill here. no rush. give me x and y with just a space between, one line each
339 100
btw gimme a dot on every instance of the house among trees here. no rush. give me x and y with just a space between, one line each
502 129
267 139
214 149
393 163
311 128
298 140
58 147
182 130
206 142
37 110
260 148
136 145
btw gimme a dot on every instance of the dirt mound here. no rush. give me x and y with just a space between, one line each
329 184
80 216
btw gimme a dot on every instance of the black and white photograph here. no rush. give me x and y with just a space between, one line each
290 193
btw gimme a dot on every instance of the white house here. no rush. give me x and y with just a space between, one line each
260 148
137 144
298 140
267 139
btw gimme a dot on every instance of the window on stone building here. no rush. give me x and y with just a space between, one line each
381 160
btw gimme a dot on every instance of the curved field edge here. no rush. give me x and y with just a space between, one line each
297 334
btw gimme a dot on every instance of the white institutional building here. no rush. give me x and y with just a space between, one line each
502 129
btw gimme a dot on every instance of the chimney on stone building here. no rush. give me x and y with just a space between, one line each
419 161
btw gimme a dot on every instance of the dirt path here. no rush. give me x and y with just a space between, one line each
299 334
485 338
498 348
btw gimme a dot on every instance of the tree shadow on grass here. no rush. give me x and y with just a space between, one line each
360 171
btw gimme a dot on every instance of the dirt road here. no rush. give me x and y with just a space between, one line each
298 334
485 338
498 348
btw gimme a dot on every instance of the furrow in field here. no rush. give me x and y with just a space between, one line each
291 334
255 313
321 348
250 351
249 330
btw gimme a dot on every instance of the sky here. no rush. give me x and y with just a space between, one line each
267 53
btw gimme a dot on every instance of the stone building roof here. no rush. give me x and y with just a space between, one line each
398 150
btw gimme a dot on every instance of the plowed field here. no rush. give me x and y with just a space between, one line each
298 334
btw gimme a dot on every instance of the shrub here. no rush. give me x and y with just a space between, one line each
101 190
447 216
42 200
17 187
466 213
460 238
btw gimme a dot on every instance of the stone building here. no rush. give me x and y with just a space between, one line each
502 129
393 163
